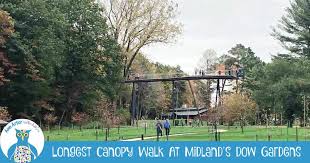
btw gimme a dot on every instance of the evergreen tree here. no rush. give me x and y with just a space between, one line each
293 30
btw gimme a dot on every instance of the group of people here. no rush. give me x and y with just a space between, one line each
200 72
160 126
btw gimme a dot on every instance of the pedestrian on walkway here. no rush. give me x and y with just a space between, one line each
159 129
167 128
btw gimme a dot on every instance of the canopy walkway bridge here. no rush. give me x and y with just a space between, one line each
219 76
145 78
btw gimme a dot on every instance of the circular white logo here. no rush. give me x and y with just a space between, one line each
22 140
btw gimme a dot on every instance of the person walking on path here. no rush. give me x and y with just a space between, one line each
159 129
167 128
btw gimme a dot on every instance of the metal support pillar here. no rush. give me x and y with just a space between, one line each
133 103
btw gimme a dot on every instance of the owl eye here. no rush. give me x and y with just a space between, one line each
19 134
26 135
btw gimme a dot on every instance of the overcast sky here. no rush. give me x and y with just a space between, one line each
219 25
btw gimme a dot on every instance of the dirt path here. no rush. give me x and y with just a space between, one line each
154 137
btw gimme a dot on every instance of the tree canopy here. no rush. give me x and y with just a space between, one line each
293 30
64 54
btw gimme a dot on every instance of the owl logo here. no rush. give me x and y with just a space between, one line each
22 141
22 151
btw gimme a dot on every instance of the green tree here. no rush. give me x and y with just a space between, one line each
65 57
280 87
92 60
36 48
293 30
156 98
244 57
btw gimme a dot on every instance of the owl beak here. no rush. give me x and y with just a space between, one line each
23 138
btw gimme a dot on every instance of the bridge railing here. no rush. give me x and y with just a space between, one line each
234 73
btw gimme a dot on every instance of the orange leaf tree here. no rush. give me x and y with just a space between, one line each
6 31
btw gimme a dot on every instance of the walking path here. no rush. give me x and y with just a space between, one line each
154 137
219 130
174 135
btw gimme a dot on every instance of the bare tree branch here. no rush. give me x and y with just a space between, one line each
137 23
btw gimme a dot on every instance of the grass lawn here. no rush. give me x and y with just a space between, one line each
251 133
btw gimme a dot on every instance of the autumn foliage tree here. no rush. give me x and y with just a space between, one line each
79 119
104 114
6 30
50 119
6 26
238 108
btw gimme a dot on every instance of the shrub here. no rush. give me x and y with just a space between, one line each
79 118
4 114
50 119
123 115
